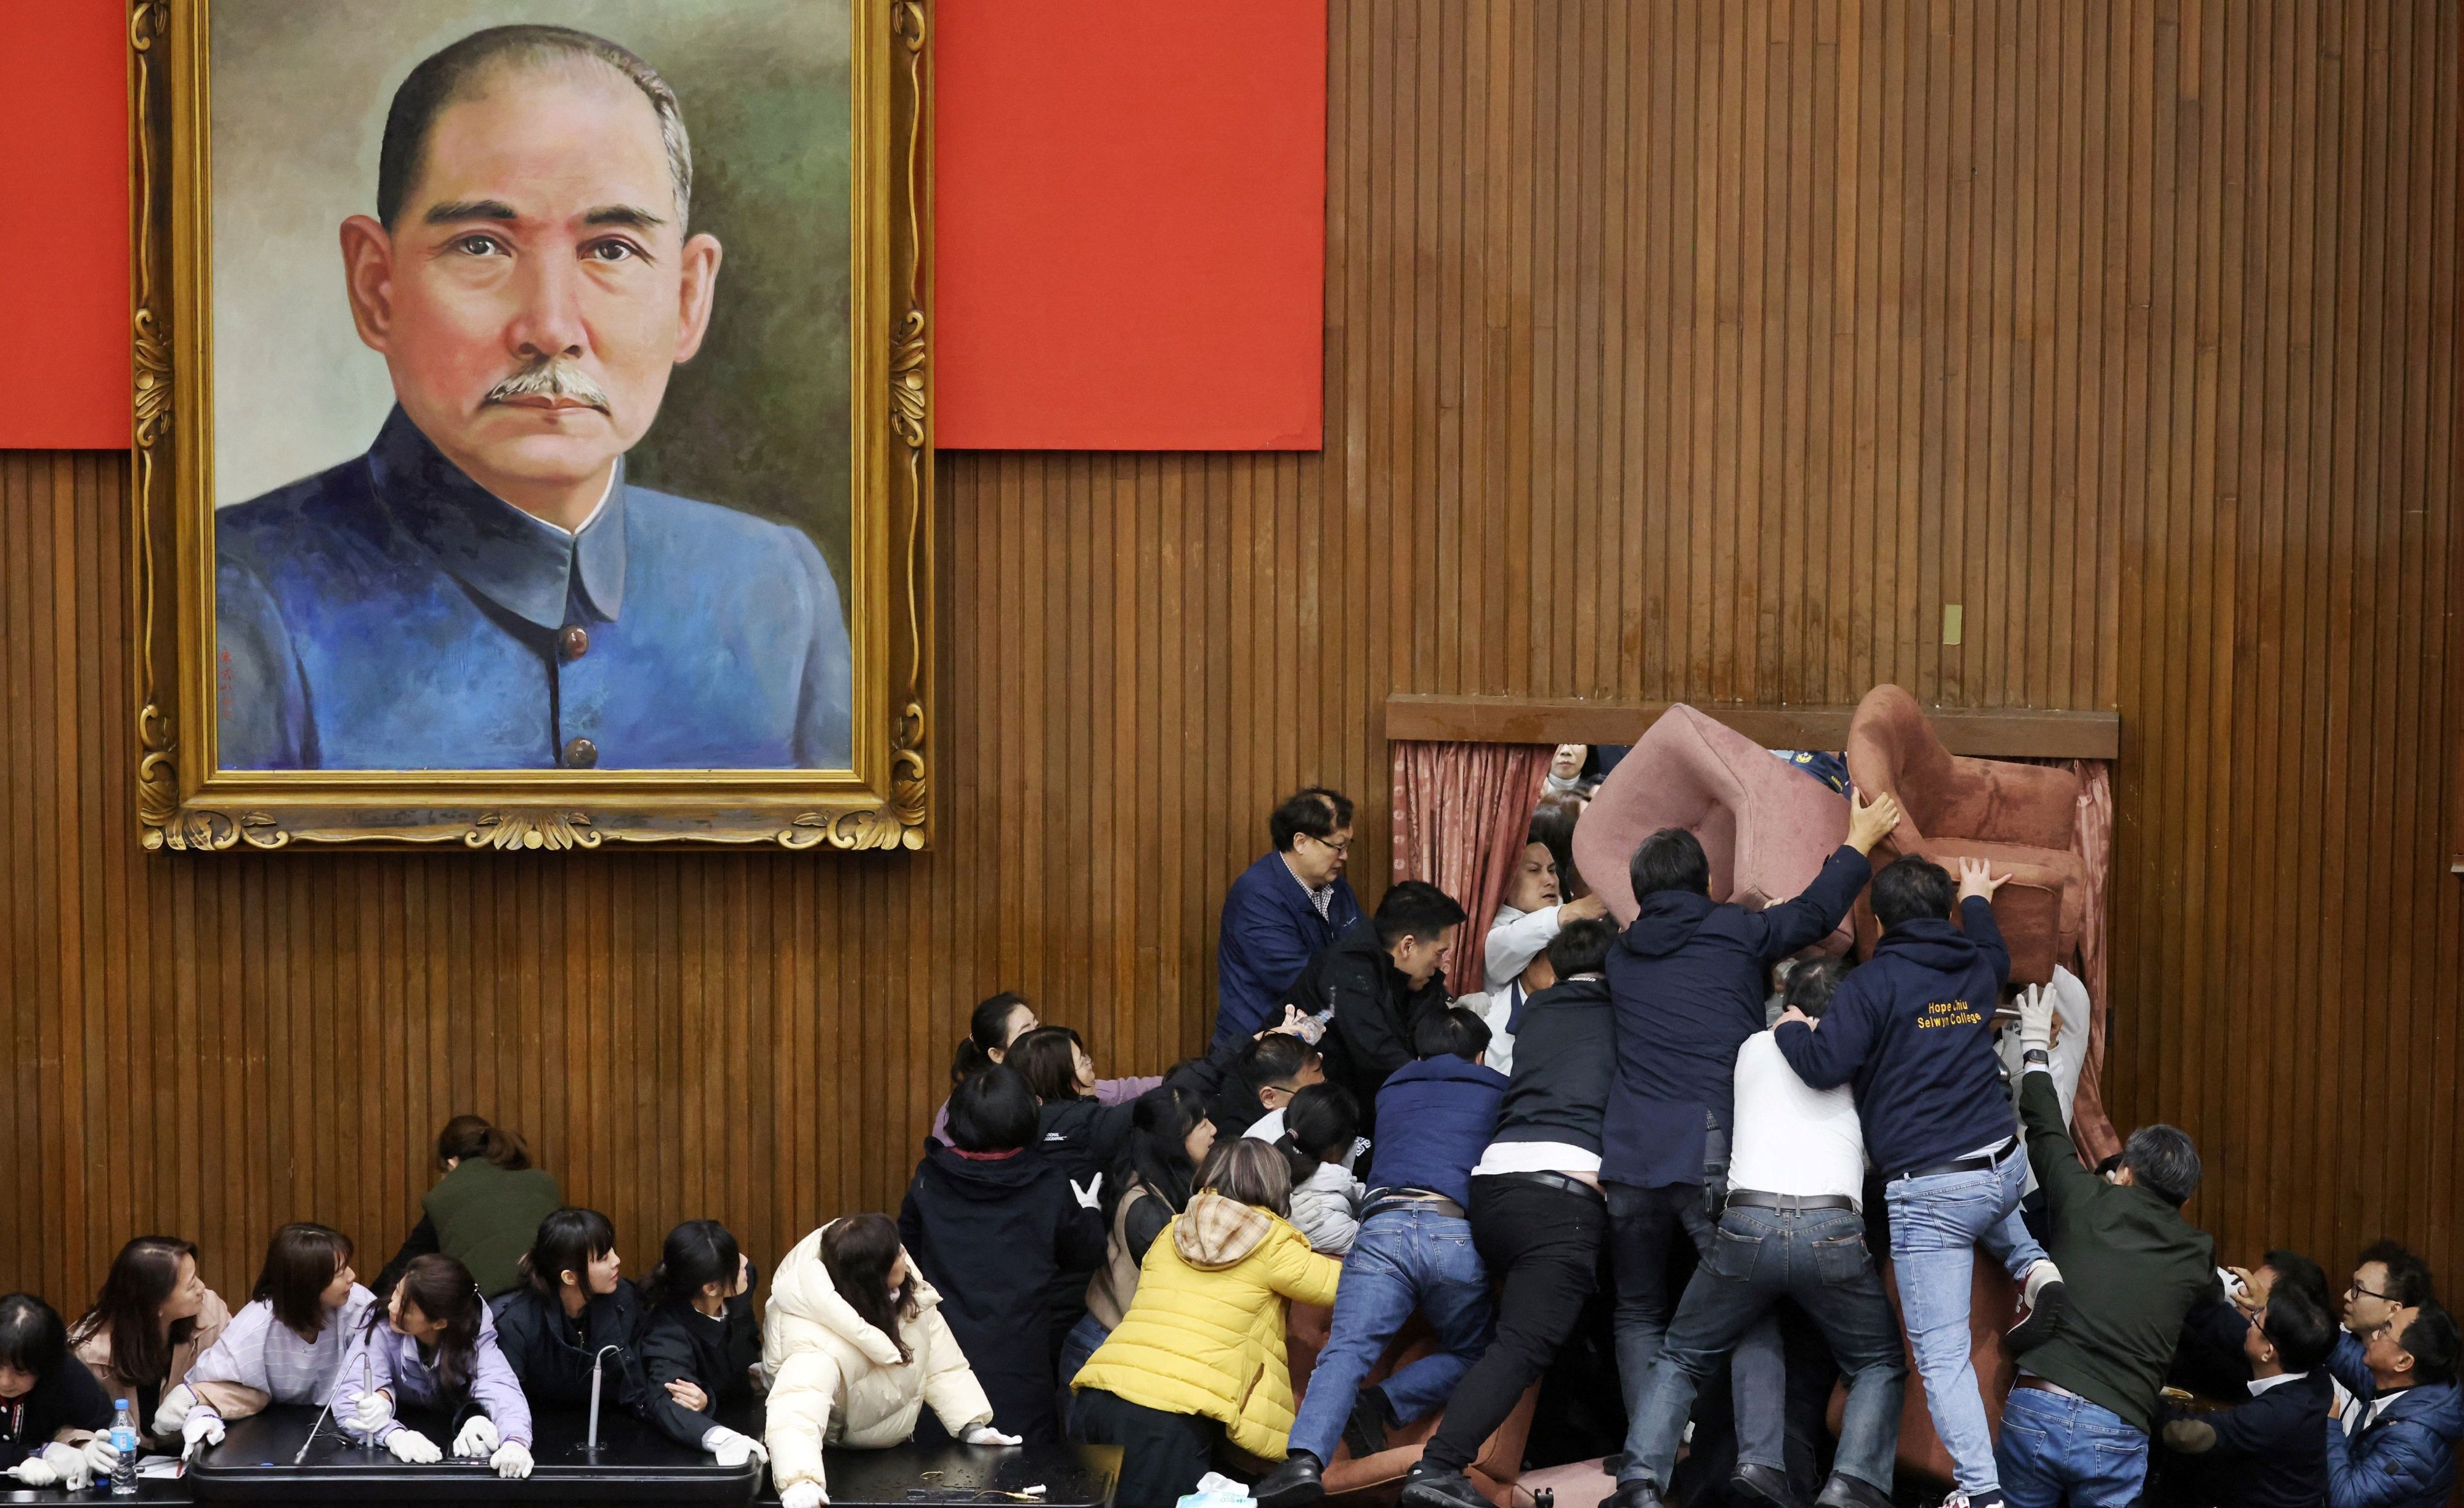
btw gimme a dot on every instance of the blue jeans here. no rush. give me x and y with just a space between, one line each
1759 1256
1644 1224
1937 1223
2057 1449
1402 1260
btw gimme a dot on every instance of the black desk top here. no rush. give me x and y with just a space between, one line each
149 1489
632 1464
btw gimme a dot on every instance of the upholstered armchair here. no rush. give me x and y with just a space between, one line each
1764 826
2019 817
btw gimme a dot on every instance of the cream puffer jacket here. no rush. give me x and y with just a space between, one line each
837 1380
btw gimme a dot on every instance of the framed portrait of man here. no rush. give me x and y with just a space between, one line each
533 406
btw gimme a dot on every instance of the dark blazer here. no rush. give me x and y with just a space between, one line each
554 1361
1440 1114
1565 1057
1270 929
2270 1453
1374 1011
1689 979
993 1235
715 1355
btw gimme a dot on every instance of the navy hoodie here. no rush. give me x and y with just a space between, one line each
1912 1028
1438 1115
1687 980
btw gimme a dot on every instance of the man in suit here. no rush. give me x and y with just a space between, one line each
484 589
2270 1451
1282 910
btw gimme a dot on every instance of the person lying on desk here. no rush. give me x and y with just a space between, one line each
434 1347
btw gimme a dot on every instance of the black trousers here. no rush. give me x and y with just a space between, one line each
1162 1454
1544 1244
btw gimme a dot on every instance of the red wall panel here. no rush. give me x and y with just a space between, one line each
1131 225
63 224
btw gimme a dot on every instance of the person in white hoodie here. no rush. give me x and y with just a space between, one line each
856 1347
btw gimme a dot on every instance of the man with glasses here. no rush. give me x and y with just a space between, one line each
1282 910
2387 1277
2391 1443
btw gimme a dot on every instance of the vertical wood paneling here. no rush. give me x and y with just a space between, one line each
1674 349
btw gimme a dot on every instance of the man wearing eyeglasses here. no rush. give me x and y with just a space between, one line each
2387 1277
2391 1443
1282 910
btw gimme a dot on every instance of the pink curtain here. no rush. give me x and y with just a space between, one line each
1461 812
2092 840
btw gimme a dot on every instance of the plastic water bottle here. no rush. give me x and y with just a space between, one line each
123 1451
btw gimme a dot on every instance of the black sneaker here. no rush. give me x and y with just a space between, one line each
1365 1432
2044 1318
1297 1479
1433 1487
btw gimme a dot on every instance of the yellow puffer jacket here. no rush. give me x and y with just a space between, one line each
1204 1334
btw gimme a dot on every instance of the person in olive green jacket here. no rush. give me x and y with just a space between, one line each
486 1209
2076 1426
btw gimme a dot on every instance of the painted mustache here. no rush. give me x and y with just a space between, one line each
553 377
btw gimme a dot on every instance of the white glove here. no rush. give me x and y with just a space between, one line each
804 1494
174 1412
2037 1018
512 1460
100 1457
202 1428
412 1448
731 1448
477 1438
372 1413
985 1434
61 1465
1088 1197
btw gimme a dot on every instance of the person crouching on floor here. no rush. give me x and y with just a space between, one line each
856 1347
1199 1359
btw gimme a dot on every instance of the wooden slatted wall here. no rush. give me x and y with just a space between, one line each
1674 350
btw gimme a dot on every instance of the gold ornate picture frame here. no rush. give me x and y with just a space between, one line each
188 801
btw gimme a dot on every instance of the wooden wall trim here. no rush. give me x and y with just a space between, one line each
1995 733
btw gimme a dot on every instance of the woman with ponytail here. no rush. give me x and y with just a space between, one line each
433 1347
1319 1128
700 1349
574 1317
484 1211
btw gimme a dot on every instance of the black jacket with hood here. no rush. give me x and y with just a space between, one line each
1689 979
994 1234
1912 1028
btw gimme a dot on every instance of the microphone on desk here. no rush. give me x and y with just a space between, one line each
598 1374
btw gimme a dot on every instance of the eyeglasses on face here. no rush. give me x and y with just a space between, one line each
1341 845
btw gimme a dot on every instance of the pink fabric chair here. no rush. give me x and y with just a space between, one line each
1764 826
2019 817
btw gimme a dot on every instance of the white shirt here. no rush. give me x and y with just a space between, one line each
1514 939
2261 1385
1790 1139
1268 1128
1535 1157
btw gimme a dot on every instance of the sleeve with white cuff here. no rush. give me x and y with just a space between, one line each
732 1448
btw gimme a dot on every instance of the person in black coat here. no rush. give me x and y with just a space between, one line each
574 1305
2271 1451
992 1223
1379 978
700 1344
43 1390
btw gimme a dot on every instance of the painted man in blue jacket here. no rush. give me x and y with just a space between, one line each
1912 1029
1281 909
483 589
1414 1254
2400 1452
1687 980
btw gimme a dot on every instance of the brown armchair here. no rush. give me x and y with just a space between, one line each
2019 817
1379 1478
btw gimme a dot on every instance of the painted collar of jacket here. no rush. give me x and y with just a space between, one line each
528 567
1217 1232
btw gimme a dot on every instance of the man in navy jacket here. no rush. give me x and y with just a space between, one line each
1281 909
1414 1253
1912 1029
2402 1451
1688 981
2267 1452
